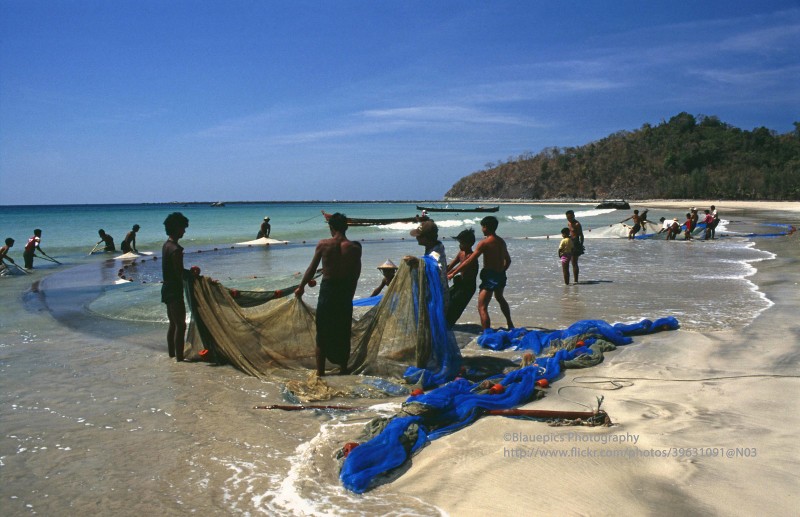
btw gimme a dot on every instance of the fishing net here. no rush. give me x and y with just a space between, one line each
454 405
259 332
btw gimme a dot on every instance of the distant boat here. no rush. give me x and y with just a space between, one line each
218 203
356 221
619 204
459 209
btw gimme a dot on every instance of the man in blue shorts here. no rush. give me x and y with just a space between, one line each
496 262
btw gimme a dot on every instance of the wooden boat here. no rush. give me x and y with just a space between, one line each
619 204
459 209
356 221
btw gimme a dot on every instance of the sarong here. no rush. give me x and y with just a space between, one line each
172 292
577 247
460 295
335 319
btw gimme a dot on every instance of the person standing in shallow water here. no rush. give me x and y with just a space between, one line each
637 224
341 267
4 254
129 243
496 262
576 234
565 250
172 290
265 229
107 239
30 248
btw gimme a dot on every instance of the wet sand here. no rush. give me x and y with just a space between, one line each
714 416
103 422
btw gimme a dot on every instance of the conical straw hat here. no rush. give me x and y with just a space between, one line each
387 265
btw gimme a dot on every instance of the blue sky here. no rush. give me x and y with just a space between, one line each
149 101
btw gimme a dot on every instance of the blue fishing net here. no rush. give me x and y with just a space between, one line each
586 330
445 359
457 404
368 302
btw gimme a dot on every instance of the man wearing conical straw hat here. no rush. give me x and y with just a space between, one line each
388 269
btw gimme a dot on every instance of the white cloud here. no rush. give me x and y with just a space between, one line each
750 77
444 115
784 37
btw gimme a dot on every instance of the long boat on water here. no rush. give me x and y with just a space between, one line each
458 209
362 221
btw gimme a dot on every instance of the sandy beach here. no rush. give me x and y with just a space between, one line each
95 418
704 423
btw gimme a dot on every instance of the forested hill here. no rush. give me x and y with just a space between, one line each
686 157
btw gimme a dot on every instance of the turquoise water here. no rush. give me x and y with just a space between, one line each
94 415
614 270
70 231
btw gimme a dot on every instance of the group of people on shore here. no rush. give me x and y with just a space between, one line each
340 259
673 228
34 244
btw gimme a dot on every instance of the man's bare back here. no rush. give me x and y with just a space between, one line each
341 258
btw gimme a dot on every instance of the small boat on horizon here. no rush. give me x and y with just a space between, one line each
218 203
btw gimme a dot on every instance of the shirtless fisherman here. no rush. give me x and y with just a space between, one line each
172 288
637 224
129 243
341 267
496 262
4 255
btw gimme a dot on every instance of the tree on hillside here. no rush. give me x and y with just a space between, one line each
686 156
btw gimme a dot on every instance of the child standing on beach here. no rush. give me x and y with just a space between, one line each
565 253
496 262
172 289
465 284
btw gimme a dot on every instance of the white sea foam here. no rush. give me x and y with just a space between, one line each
583 213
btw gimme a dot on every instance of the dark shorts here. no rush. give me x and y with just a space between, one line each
335 320
492 280
461 293
577 247
28 257
636 228
171 293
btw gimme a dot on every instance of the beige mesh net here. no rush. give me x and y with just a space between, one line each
280 333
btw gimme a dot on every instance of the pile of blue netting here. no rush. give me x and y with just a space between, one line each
460 402
587 331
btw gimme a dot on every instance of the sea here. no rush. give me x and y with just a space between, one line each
94 417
